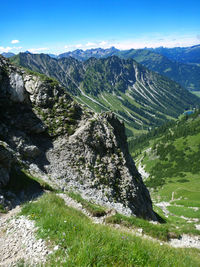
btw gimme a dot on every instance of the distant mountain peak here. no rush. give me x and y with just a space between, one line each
27 52
93 52
7 54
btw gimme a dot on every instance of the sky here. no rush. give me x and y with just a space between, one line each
59 26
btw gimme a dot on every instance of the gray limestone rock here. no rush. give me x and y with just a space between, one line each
67 145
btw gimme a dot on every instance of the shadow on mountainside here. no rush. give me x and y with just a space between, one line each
21 188
19 131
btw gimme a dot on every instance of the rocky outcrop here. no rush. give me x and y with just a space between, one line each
67 145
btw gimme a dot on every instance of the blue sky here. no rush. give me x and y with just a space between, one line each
59 26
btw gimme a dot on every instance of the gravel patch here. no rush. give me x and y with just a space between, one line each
18 241
197 226
141 170
163 205
186 241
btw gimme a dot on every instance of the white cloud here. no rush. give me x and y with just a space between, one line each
149 40
18 47
5 49
157 40
103 43
10 49
37 50
89 44
78 46
14 41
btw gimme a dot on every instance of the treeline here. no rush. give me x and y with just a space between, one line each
173 163
143 140
187 125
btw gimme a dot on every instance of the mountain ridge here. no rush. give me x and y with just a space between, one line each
180 64
189 54
132 92
162 60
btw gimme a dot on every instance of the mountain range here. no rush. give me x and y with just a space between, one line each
180 64
142 98
187 75
95 52
181 54
8 54
174 63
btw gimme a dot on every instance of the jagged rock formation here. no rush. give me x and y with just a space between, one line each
66 144
84 55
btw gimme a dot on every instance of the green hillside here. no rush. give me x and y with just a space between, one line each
171 156
80 242
197 93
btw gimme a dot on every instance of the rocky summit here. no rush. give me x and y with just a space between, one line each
44 130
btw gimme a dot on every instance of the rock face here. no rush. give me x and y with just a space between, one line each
65 144
5 163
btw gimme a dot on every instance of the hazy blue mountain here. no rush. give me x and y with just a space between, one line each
53 56
181 54
8 54
84 55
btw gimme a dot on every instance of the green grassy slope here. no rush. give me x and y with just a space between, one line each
197 93
83 243
171 156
